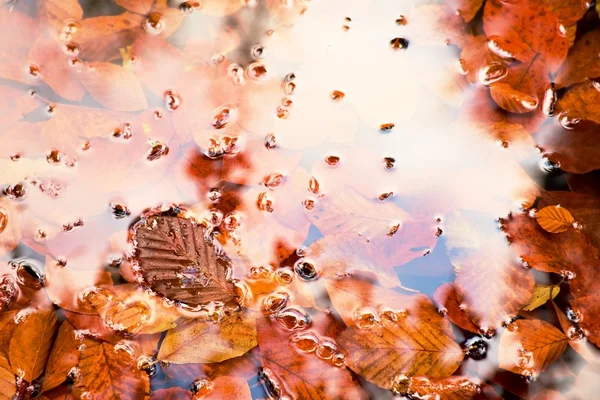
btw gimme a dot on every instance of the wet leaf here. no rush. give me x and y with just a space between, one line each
541 295
530 346
108 372
580 65
10 229
137 6
197 341
528 26
491 287
467 9
13 53
451 388
115 87
174 393
57 13
177 262
445 296
554 219
7 380
568 11
31 343
305 375
419 343
63 357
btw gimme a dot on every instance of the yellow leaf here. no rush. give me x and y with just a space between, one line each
541 294
554 219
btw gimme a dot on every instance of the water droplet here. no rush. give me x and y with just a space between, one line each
385 196
258 51
271 383
172 100
188 7
157 150
398 43
549 166
231 221
550 99
365 318
94 298
119 210
284 276
3 219
573 316
223 116
336 95
127 317
568 119
230 144
257 71
326 349
286 102
438 231
390 162
306 270
275 302
273 180
15 157
393 230
8 292
388 316
54 156
401 20
475 348
309 204
461 67
282 112
215 217
497 45
292 319
289 88
201 387
34 71
28 275
271 142
147 364
306 341
154 23
264 202
332 160
15 192
386 128
74 375
492 73
71 49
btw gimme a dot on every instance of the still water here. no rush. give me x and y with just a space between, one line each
291 199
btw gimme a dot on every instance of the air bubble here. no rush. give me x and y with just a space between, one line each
257 71
365 318
306 270
337 95
292 319
172 100
271 142
306 342
28 275
154 24
119 210
188 7
398 43
15 192
275 302
273 180
157 150
475 348
264 202
223 116
332 160
326 349
147 364
258 51
231 221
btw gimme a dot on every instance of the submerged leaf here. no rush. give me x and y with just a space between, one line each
63 357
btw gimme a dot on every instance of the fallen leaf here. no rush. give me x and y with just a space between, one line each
568 11
226 387
115 87
527 24
108 372
541 295
475 56
22 30
63 357
491 285
554 219
445 296
7 380
177 262
579 66
580 102
529 346
173 393
198 341
467 9
47 55
10 228
304 375
137 6
31 343
56 13
419 343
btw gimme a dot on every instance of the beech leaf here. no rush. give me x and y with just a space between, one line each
197 341
7 380
63 357
554 219
541 295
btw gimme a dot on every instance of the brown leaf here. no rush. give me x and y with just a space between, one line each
137 6
10 227
31 343
445 296
55 72
113 86
580 102
56 13
176 261
476 55
575 150
418 343
451 388
529 346
7 380
197 341
491 285
586 184
579 65
576 337
101 38
13 53
568 11
226 387
541 295
108 372
512 100
527 24
7 326
467 9
304 375
585 208
63 357
174 393
554 219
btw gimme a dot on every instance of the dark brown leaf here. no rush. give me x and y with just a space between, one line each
176 261
445 296
581 64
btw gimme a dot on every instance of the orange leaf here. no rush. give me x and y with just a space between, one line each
174 393
513 100
417 343
445 296
63 357
137 6
226 387
13 53
467 9
108 372
113 86
580 102
528 347
200 341
579 66
451 388
526 24
554 219
7 380
305 375
31 343
57 13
